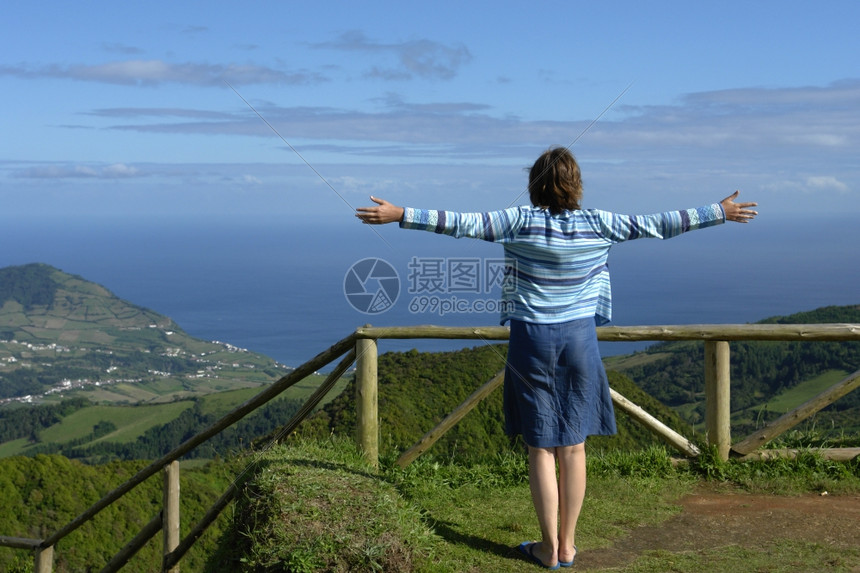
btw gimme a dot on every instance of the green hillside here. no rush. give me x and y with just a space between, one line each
61 335
767 378
417 390
39 495
96 433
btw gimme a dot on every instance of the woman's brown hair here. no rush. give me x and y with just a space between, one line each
555 182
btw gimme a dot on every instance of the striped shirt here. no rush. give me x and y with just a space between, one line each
556 265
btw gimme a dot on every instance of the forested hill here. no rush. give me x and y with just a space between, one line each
418 389
767 378
28 285
60 333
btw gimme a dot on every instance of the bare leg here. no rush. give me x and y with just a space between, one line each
571 492
545 496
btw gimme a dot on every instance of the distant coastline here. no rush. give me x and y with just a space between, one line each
269 289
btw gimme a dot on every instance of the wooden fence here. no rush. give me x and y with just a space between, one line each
361 348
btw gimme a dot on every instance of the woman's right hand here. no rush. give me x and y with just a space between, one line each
383 213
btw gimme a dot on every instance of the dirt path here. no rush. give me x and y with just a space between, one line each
716 519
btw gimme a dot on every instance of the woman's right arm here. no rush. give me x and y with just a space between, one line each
491 226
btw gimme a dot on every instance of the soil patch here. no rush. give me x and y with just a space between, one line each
717 519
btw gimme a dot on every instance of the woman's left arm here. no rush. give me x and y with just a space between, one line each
617 228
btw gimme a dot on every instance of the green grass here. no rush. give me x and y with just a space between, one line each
176 388
797 395
223 402
308 385
316 506
479 514
626 361
13 447
138 393
454 517
781 556
788 400
131 421
319 509
113 393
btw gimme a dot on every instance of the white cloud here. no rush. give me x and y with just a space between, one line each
195 29
71 171
365 186
119 170
715 127
118 48
421 57
813 184
779 143
826 183
155 72
147 112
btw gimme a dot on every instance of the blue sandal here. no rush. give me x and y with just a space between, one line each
527 549
569 563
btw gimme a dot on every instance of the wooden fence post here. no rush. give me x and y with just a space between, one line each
44 560
366 399
718 396
170 516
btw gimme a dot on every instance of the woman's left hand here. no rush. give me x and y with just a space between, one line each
385 212
738 212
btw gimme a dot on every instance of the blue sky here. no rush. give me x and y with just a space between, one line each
119 113
120 110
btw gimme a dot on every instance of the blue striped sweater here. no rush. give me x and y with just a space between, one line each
557 264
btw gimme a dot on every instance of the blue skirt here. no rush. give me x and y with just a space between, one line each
556 390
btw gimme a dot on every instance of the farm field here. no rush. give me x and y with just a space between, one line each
128 422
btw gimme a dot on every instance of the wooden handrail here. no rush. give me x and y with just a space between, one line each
127 552
728 332
208 518
717 378
661 430
433 331
19 542
732 332
450 420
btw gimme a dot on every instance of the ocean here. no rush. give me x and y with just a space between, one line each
282 289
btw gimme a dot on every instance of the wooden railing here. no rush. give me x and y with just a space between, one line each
717 380
361 348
